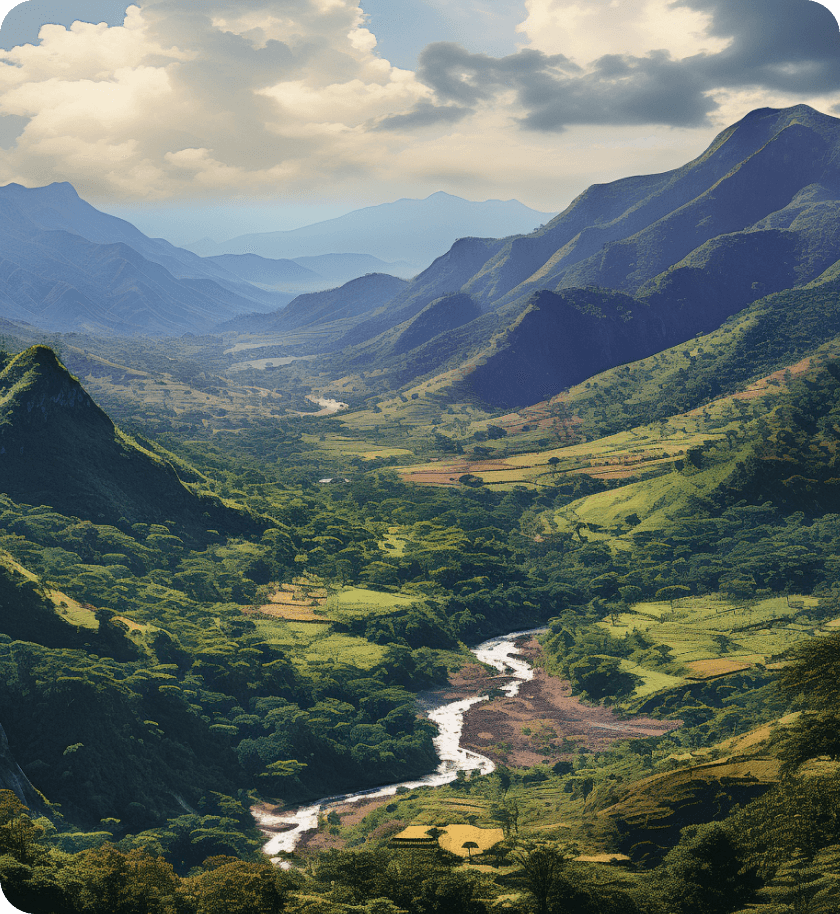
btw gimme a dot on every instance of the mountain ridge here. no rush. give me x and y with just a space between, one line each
408 229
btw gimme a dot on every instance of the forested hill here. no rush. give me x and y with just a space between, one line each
58 448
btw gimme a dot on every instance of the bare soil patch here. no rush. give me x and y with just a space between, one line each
544 705
559 724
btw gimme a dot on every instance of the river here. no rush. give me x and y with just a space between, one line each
500 653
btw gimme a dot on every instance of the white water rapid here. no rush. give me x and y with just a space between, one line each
500 653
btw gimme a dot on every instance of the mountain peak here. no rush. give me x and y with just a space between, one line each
34 386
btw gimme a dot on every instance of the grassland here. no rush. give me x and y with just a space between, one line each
309 644
299 618
712 636
345 447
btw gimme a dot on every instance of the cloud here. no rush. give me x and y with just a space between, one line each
424 115
688 55
196 99
252 96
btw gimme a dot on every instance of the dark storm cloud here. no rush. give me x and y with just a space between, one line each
782 45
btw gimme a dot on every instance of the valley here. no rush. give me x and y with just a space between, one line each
265 565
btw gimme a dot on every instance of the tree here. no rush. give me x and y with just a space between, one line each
542 866
469 847
815 672
240 888
450 893
704 873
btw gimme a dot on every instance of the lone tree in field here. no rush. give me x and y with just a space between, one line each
469 846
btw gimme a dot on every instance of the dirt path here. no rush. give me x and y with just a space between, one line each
328 407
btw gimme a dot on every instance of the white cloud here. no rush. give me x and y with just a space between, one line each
585 30
271 98
190 97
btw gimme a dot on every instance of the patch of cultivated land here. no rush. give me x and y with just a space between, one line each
636 454
713 636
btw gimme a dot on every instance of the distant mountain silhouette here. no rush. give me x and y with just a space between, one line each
416 231
66 266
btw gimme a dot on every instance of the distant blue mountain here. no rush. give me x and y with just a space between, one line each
307 274
66 266
415 231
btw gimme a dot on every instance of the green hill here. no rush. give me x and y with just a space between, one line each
58 448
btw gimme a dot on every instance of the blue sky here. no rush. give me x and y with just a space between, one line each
271 113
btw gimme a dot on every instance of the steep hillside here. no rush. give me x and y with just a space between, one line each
563 338
444 314
757 213
446 275
58 448
622 234
345 305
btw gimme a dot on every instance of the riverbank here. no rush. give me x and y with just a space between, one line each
543 723
532 719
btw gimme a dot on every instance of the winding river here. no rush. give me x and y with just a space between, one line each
288 827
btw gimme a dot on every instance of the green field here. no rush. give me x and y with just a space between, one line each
317 644
714 628
359 603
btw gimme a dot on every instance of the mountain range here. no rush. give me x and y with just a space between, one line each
414 231
628 269
66 266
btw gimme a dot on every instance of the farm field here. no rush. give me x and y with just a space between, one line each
313 644
641 452
712 636
299 618
342 446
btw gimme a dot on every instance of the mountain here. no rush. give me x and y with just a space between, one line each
58 448
757 213
253 268
341 268
65 266
57 207
332 311
416 231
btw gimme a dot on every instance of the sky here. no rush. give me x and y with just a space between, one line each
215 117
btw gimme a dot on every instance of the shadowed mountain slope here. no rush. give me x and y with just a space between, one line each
347 303
58 448
757 213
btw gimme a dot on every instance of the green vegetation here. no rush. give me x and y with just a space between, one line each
264 640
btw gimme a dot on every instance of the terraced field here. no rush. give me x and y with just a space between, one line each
639 454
